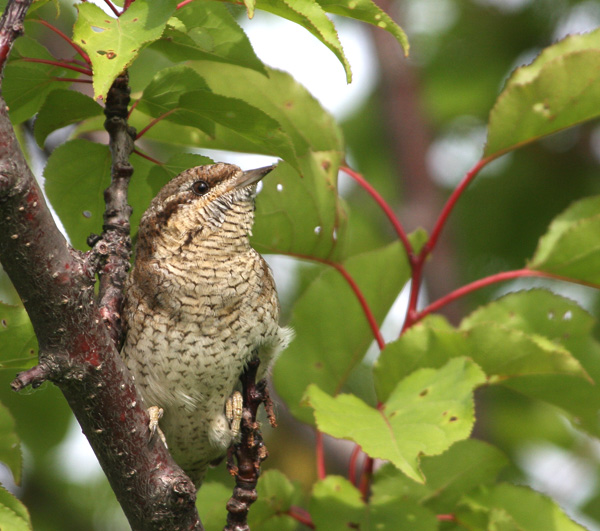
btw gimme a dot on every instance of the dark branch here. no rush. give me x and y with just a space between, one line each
113 249
250 452
11 27
77 351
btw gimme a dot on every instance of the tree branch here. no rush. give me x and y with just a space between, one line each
113 249
77 351
250 451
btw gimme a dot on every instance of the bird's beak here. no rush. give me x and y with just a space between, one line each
250 177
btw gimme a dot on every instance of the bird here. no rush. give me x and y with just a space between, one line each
199 304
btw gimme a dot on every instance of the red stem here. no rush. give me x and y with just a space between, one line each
133 106
384 206
147 157
320 451
85 71
72 79
153 122
73 45
446 517
113 8
452 200
301 515
492 279
417 264
363 303
352 464
357 292
365 479
184 3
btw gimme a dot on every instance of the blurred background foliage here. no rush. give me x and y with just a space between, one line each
413 133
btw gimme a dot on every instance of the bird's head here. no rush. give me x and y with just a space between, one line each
201 203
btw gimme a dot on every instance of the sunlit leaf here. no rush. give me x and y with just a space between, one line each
367 11
560 89
61 108
427 412
571 247
327 347
464 467
490 336
301 215
13 514
113 43
311 16
207 30
241 117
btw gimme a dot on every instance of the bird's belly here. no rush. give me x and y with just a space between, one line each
190 369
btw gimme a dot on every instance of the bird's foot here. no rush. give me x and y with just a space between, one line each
234 408
155 413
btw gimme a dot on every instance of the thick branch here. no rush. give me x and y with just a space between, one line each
77 351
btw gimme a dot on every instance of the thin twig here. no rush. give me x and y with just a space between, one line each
320 451
154 122
112 7
493 279
249 452
387 209
73 45
61 64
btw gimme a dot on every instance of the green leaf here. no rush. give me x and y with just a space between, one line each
13 514
571 247
311 16
76 175
506 507
61 108
167 86
211 503
18 344
301 215
369 12
401 515
250 7
336 504
425 414
490 338
241 117
559 90
10 449
113 43
276 494
26 85
307 124
332 332
207 31
464 467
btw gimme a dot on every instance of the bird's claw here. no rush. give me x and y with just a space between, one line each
155 413
234 408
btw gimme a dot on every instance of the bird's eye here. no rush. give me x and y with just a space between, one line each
200 187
